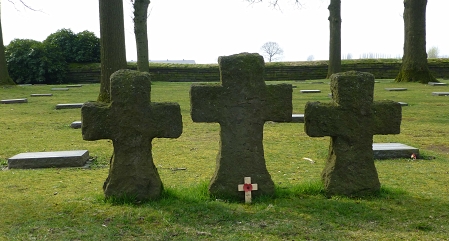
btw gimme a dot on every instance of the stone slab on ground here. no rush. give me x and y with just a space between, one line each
73 86
40 95
440 93
77 158
393 150
298 118
310 91
59 89
69 106
396 89
403 103
76 124
437 84
14 101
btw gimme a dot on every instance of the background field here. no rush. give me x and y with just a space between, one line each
68 203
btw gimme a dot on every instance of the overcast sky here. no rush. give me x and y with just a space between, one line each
202 30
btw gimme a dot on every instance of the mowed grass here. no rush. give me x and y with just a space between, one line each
68 203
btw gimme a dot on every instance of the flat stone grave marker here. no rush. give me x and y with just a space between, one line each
403 103
131 121
309 91
241 105
396 89
22 85
440 93
351 120
393 150
437 84
74 86
28 160
69 106
14 101
76 124
298 118
40 95
59 89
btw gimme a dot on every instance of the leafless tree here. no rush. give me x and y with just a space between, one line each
272 51
433 53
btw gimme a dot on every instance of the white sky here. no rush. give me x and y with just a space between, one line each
202 30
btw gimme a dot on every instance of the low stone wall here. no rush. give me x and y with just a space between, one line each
381 69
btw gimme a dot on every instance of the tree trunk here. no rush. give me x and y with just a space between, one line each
4 75
112 41
140 31
414 62
335 38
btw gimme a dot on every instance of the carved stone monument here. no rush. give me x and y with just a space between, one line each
351 120
241 105
131 121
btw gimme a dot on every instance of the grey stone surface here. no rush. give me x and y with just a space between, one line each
131 121
14 101
69 106
76 124
309 91
393 150
437 84
59 89
40 95
74 86
440 93
77 158
241 105
351 120
396 89
403 103
298 118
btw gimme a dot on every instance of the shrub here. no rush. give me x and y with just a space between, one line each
83 47
64 39
86 48
31 62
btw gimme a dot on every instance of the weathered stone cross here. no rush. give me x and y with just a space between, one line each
241 106
131 121
351 120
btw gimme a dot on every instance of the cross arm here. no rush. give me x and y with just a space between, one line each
278 106
387 117
95 119
167 120
321 119
205 102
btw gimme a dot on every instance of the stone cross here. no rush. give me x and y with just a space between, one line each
351 120
247 187
131 121
241 105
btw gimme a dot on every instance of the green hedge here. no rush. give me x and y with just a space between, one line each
277 71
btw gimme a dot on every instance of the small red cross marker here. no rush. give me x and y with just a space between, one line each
247 187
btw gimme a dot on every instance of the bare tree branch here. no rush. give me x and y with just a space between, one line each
24 4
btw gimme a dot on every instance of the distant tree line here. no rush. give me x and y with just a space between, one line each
30 61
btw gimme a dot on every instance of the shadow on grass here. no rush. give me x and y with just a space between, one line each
300 211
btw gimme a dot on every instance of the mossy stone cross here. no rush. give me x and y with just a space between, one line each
131 121
241 105
351 120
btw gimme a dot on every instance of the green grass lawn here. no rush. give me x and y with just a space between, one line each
68 203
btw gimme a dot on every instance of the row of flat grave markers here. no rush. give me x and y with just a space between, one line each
53 159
